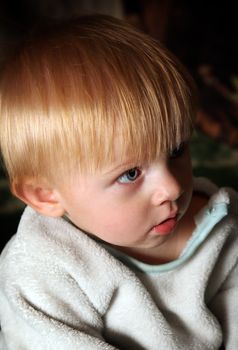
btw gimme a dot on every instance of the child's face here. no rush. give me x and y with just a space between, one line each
132 205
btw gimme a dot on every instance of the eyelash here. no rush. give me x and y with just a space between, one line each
128 173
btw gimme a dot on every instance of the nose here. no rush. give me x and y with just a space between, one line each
167 188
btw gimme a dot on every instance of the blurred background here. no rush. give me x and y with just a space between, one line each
202 34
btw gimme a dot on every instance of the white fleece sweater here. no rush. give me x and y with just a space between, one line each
61 290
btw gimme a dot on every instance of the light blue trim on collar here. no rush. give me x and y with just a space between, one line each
205 222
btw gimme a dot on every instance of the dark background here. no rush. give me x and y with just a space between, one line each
202 34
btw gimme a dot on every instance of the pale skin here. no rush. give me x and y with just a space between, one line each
126 204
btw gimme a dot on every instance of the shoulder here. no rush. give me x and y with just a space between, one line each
50 263
47 249
39 237
41 247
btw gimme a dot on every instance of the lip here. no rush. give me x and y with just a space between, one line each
166 226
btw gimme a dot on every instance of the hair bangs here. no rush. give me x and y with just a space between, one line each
89 97
142 114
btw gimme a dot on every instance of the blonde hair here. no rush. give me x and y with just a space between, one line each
76 87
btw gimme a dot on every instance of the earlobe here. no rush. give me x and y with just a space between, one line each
39 196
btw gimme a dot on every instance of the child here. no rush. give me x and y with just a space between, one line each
118 247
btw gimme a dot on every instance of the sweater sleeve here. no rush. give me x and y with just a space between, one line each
48 312
52 296
49 303
225 308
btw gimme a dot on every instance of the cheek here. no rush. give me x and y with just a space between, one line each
98 217
121 219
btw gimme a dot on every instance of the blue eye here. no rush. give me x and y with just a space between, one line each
129 176
178 151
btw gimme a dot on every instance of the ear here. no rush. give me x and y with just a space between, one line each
38 195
